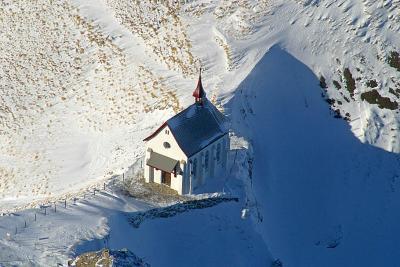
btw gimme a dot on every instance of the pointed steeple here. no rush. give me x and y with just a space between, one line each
199 92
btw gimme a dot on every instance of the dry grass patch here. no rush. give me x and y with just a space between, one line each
151 192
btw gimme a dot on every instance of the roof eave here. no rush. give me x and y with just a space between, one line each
213 141
155 132
161 169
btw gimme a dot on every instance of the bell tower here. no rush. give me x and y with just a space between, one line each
199 93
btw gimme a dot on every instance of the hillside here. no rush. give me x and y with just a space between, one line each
78 77
320 196
313 86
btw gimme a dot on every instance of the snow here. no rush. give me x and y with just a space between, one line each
325 198
216 236
94 222
83 82
117 72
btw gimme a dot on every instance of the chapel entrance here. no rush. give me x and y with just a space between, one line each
166 178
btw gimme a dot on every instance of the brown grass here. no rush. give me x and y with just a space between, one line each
93 259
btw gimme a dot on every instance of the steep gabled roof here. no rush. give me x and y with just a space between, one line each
195 127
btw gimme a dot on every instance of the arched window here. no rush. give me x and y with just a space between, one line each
194 168
218 152
206 160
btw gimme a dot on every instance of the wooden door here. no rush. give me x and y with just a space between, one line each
166 178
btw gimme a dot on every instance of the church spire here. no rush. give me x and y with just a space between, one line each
199 92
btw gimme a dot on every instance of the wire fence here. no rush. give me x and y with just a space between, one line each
23 221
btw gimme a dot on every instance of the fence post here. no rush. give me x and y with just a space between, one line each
104 186
25 224
55 207
45 211
35 216
65 203
123 177
16 230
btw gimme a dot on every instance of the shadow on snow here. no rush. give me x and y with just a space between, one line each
317 185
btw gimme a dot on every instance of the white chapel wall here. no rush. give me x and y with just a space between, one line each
182 183
215 168
156 144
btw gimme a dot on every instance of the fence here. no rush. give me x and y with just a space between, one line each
22 221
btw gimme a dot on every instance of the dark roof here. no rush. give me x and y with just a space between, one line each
196 127
162 162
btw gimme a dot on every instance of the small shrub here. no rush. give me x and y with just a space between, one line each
337 85
347 116
322 82
350 82
373 97
372 83
394 60
396 93
337 114
330 101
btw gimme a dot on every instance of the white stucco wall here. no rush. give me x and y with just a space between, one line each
215 168
156 144
185 183
157 176
176 183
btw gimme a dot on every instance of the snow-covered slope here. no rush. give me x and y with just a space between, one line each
79 77
82 82
200 232
74 99
320 196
